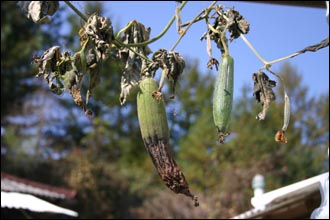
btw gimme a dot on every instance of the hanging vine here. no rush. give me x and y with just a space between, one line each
65 71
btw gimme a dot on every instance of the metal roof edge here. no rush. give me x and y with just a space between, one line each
286 191
67 193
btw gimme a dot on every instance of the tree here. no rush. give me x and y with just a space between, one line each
19 85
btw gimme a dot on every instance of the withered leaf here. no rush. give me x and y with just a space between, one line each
176 64
98 32
230 20
172 64
38 11
236 24
263 91
130 78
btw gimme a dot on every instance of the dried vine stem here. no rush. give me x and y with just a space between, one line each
206 11
76 11
253 49
267 64
158 36
313 48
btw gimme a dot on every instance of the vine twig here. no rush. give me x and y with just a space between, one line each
76 11
124 29
206 11
268 64
196 20
120 44
311 48
253 49
158 36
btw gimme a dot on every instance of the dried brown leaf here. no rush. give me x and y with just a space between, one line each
263 91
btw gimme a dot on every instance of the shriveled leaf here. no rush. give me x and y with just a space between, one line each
47 61
130 78
38 11
263 91
47 68
128 84
96 37
98 32
172 64
236 24
62 71
230 20
176 66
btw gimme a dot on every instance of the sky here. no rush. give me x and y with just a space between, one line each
275 31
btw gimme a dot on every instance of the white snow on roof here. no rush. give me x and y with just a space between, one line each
32 203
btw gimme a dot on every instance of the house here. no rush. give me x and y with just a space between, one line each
295 201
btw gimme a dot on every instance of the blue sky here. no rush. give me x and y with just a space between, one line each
275 31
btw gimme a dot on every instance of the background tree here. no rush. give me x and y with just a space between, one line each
22 116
